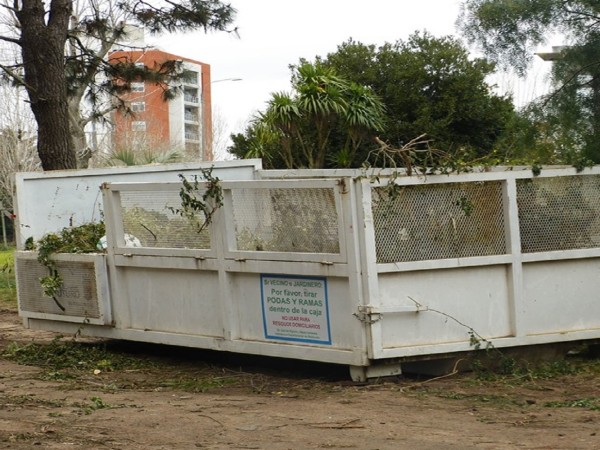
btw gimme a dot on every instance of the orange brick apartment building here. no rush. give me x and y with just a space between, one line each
183 123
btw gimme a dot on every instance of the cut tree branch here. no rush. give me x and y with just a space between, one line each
11 40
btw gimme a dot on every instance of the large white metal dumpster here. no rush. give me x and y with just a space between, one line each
334 266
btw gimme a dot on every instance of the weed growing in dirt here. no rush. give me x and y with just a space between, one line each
199 384
95 404
555 369
17 437
28 400
592 404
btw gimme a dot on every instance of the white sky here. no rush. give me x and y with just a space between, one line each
276 33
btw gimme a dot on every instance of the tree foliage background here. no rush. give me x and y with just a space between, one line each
430 85
17 143
425 85
565 124
64 46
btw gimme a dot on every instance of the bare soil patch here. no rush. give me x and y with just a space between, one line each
173 398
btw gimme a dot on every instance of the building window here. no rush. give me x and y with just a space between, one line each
138 106
138 87
138 125
190 77
190 95
191 114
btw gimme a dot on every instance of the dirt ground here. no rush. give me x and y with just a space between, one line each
189 399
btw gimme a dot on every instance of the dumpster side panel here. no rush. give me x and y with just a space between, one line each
441 306
562 296
177 301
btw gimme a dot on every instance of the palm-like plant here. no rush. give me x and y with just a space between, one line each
128 157
365 115
322 103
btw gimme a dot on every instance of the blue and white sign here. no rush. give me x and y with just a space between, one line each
295 308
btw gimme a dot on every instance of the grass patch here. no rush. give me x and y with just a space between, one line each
513 372
492 399
8 289
515 383
69 359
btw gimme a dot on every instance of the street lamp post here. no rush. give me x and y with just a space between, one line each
226 79
207 131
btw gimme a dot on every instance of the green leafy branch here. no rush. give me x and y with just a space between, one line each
465 205
81 239
192 203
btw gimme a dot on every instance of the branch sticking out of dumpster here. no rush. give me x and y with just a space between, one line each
475 339
193 203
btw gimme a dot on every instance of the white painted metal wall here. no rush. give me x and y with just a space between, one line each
369 278
50 201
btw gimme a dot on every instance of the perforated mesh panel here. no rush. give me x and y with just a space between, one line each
78 296
559 213
286 220
438 221
147 216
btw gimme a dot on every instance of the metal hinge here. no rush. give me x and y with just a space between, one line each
367 314
342 185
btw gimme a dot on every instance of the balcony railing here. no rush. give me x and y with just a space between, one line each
190 98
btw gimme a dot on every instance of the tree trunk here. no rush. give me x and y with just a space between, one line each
43 48
82 151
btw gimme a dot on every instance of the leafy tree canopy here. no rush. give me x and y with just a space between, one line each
426 85
64 46
510 30
429 86
566 122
